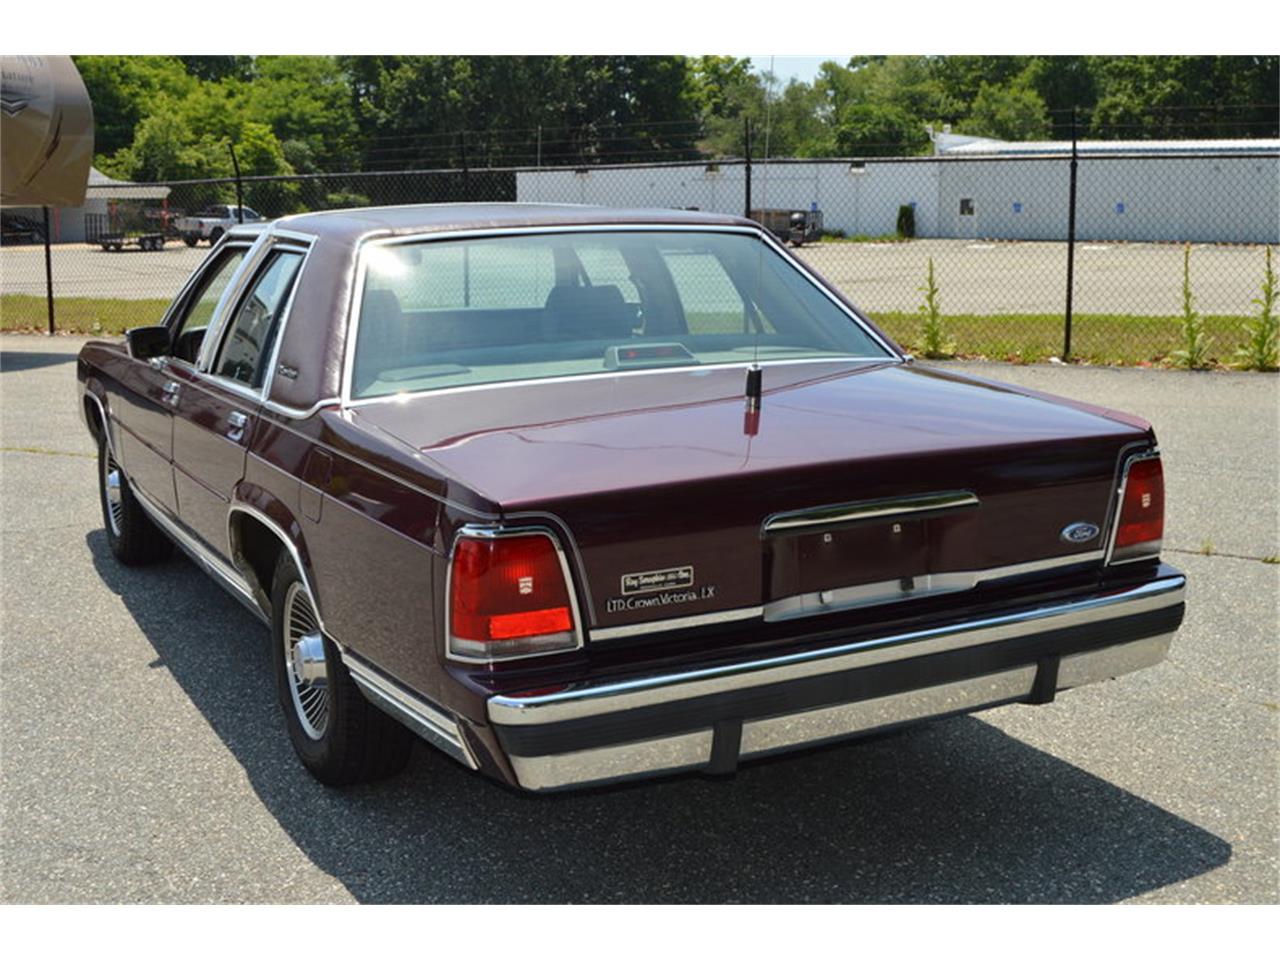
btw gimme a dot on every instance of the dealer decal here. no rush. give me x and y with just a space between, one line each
651 581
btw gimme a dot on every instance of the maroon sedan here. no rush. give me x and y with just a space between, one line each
580 494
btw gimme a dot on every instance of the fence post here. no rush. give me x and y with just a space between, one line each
1071 242
48 269
466 174
746 136
235 165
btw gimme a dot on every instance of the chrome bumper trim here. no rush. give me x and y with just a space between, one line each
691 751
427 721
609 698
760 737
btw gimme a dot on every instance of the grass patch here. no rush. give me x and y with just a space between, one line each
1095 338
1020 338
864 238
92 315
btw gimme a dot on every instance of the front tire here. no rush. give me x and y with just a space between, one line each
189 240
133 538
215 236
338 735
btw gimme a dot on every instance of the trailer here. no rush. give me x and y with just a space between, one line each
115 242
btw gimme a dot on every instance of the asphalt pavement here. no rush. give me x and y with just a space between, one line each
143 757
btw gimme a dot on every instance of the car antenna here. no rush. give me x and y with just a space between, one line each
755 375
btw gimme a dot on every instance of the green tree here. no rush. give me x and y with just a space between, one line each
879 130
1013 112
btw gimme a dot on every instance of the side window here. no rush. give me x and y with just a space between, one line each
252 332
188 332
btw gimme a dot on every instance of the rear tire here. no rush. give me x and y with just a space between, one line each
133 538
215 236
338 735
190 241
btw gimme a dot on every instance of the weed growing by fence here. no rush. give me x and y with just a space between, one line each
1194 353
932 338
1262 349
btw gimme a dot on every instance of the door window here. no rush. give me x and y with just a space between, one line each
251 336
197 314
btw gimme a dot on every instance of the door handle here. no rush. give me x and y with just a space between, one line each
237 421
171 391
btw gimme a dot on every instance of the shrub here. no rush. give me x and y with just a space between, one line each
1262 348
906 221
342 199
1194 353
932 337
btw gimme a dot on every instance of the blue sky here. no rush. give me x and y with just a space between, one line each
801 68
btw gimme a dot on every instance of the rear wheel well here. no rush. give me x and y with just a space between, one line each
256 548
93 417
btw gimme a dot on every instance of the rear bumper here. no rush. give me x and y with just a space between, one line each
709 719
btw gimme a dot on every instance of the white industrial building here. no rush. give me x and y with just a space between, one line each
1201 191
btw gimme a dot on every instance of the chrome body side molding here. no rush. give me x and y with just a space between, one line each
229 579
426 720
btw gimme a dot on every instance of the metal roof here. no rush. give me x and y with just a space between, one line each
983 147
102 187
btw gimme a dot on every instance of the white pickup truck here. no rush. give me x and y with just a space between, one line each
212 222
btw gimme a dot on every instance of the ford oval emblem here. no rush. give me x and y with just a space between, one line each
1079 532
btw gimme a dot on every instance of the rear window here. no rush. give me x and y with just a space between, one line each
448 313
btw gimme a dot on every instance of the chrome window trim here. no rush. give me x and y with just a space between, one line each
648 371
785 608
232 543
480 532
260 258
1151 454
612 697
365 245
794 521
231 294
181 295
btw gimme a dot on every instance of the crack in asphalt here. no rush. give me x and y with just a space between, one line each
1212 682
1269 560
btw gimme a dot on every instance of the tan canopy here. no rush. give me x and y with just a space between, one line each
46 132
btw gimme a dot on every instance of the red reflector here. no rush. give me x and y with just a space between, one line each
1142 511
508 597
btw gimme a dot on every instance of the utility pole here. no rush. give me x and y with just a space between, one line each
746 137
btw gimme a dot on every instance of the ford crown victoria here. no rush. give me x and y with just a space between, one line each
580 494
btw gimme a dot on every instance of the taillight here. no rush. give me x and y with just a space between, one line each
509 597
1140 526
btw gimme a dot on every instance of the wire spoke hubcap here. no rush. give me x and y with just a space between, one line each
305 661
114 495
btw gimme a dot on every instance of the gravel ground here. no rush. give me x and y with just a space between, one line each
974 276
143 759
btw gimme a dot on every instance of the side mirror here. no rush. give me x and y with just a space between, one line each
147 342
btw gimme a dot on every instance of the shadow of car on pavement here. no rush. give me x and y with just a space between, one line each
954 811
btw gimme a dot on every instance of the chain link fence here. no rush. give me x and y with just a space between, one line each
1028 258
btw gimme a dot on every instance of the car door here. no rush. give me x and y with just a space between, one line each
218 402
150 388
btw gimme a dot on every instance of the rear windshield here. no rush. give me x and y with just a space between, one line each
449 313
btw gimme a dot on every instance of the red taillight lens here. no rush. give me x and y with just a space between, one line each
1141 524
508 597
